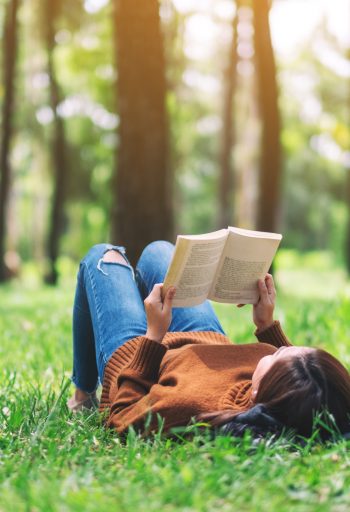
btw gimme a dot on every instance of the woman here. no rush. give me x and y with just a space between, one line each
172 365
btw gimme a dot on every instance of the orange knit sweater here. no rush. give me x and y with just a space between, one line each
185 375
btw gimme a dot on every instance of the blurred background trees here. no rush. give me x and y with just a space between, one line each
269 163
9 57
226 170
138 121
58 144
142 208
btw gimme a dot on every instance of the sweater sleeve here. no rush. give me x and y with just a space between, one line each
132 403
273 335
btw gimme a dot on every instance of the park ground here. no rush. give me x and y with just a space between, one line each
51 460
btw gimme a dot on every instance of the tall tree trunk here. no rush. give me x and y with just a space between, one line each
347 201
347 233
226 168
9 61
143 182
58 148
270 155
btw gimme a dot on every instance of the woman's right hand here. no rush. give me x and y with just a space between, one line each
158 312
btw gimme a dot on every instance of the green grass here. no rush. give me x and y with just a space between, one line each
53 461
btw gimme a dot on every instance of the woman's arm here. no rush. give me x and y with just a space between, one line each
268 330
132 402
273 335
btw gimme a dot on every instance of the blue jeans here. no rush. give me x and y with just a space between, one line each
109 310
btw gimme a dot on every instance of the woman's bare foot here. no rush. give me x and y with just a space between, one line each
82 400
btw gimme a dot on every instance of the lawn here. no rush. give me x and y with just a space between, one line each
53 461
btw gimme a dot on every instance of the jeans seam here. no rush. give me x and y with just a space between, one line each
139 272
93 287
87 312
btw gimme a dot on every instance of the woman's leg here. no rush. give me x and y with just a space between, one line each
151 269
108 311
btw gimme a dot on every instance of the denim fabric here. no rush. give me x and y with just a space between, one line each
108 308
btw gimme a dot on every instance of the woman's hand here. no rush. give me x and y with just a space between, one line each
158 312
264 308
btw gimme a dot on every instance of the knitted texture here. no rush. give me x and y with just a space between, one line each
185 375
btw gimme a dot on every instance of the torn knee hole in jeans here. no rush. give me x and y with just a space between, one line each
114 256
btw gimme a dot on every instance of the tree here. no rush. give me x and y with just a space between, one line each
9 61
347 235
270 154
58 143
227 139
142 185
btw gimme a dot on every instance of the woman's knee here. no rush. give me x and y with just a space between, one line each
159 246
96 251
158 250
106 252
114 256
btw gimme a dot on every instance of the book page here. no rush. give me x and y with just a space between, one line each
255 234
245 259
193 267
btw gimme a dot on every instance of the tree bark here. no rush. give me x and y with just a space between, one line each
347 232
58 149
228 133
142 185
270 154
9 61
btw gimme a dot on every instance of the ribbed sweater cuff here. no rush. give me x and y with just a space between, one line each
273 335
148 356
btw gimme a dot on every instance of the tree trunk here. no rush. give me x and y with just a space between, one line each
9 61
347 233
58 149
270 155
226 168
143 182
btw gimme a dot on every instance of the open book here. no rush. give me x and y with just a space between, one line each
223 266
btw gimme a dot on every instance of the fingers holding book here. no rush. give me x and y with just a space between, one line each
158 311
264 307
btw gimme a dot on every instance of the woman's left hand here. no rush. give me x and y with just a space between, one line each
158 312
264 308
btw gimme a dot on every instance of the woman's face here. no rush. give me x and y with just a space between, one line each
266 362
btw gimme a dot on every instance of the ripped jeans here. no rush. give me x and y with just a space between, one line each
109 310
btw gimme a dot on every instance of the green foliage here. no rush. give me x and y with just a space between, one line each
52 460
313 100
313 96
315 137
84 65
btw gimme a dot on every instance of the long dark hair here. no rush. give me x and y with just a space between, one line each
292 392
